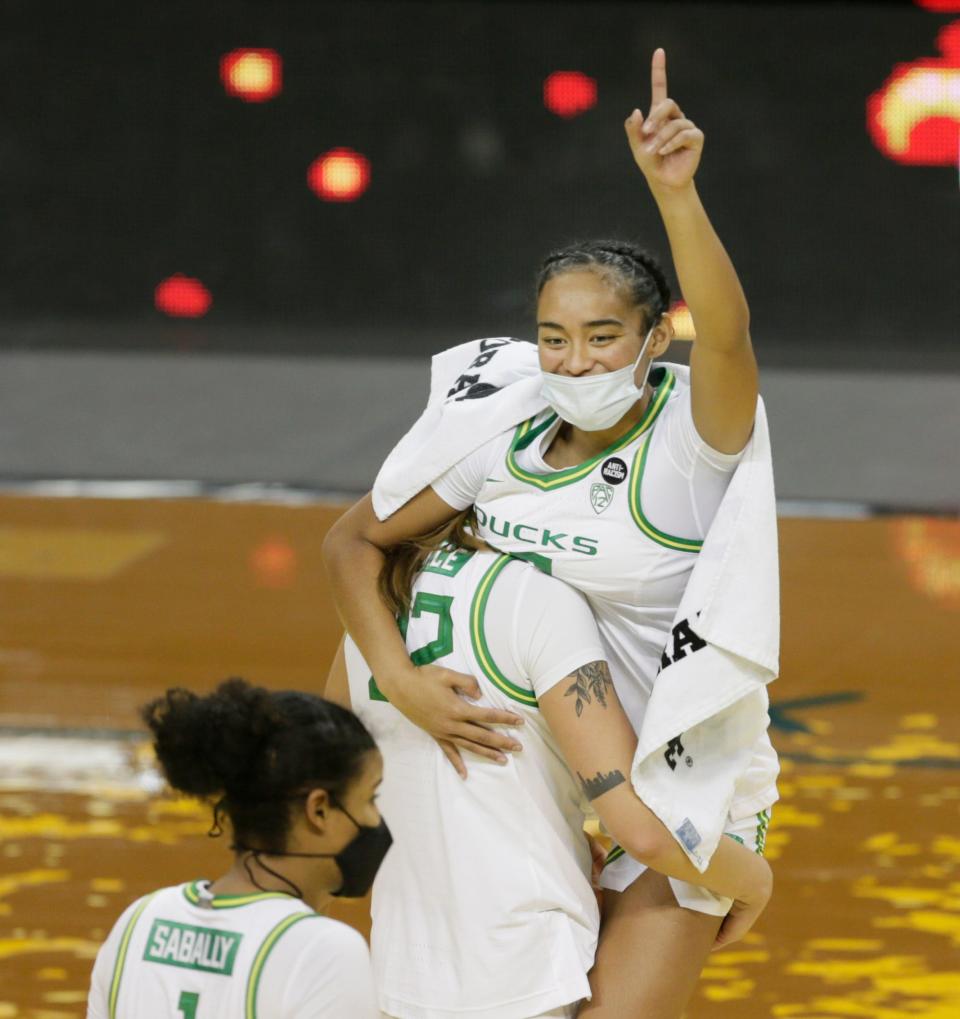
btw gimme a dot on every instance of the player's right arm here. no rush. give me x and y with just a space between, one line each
429 695
598 743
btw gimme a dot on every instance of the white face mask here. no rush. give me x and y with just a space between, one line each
595 402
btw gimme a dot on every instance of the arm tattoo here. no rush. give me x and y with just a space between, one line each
591 680
601 783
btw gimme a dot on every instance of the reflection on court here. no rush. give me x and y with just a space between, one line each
865 920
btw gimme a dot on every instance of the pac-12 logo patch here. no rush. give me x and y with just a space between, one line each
614 470
600 497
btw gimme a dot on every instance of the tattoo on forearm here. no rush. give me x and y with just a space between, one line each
590 681
603 782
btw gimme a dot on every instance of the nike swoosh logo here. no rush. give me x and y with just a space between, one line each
496 481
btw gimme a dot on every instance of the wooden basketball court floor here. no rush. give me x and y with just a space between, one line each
106 602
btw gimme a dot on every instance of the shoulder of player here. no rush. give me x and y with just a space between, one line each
678 395
677 402
158 897
313 930
131 917
540 590
314 958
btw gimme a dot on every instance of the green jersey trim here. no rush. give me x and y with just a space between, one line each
533 432
640 518
615 853
122 956
763 823
478 637
192 894
260 959
527 432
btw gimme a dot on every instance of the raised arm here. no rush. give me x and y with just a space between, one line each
667 147
353 552
598 743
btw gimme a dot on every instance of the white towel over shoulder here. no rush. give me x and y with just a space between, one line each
707 714
708 709
477 390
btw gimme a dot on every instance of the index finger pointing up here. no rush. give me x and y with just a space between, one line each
658 78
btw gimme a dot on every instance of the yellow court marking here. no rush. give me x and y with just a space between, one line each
75 553
30 878
82 948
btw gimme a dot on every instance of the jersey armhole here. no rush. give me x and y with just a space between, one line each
478 637
670 541
260 960
321 964
113 991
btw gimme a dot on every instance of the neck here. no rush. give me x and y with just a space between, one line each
584 445
312 880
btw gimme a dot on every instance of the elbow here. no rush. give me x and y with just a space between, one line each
648 844
340 544
332 544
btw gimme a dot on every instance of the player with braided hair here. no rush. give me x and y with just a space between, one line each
295 777
625 264
611 488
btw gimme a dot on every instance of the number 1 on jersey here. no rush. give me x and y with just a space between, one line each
187 1004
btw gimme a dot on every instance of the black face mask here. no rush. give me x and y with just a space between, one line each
359 860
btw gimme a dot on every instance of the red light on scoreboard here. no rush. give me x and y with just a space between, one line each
569 93
251 75
340 175
182 297
915 117
942 6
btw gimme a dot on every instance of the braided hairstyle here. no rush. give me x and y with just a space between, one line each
255 751
625 265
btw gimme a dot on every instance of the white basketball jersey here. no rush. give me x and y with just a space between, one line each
483 907
181 953
586 525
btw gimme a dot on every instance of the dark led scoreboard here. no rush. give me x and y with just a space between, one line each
298 175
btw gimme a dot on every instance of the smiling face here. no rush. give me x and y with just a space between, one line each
587 325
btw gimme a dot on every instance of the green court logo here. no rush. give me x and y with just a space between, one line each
202 948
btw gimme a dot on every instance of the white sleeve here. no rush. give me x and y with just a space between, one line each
685 443
98 1000
554 633
325 971
461 484
685 479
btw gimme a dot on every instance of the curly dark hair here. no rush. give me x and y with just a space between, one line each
255 751
630 266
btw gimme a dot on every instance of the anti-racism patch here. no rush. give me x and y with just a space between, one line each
614 470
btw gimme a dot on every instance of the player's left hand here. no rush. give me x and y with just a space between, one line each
746 910
666 145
